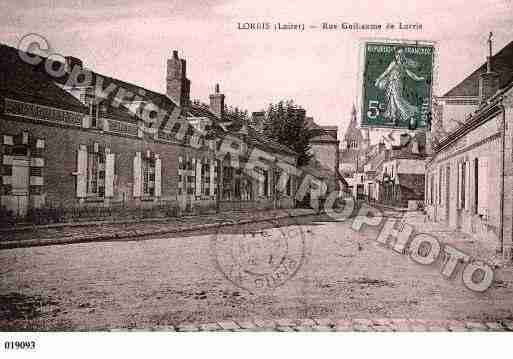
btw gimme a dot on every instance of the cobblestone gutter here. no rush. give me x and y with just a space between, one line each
334 325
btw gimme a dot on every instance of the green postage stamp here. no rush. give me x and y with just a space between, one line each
397 84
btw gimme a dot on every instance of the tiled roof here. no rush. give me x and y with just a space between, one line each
30 83
502 63
320 133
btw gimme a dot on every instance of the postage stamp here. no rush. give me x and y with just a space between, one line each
397 84
260 258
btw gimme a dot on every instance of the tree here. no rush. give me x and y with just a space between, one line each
286 123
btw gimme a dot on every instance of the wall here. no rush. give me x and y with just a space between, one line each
326 154
454 111
411 166
484 141
60 156
61 160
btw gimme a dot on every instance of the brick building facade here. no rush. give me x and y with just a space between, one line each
72 138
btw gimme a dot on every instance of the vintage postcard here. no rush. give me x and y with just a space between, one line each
237 166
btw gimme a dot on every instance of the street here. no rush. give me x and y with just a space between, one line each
177 280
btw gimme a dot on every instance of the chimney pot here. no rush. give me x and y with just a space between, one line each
217 102
489 80
175 54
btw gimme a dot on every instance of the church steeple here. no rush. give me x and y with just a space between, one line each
353 138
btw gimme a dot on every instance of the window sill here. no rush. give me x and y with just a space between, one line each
94 199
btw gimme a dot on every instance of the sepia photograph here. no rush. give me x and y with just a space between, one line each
306 174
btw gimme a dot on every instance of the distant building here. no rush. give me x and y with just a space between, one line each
355 144
395 176
324 163
469 177
324 145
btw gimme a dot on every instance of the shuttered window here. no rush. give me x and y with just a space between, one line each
482 203
148 182
81 173
137 168
158 176
95 171
459 186
109 174
199 165
213 167
462 189
467 186
96 174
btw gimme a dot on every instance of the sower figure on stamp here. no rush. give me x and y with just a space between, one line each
392 82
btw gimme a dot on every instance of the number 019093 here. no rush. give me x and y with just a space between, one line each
21 345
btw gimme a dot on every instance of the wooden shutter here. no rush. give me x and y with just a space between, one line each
82 172
137 175
459 183
199 164
482 204
110 159
467 185
212 176
158 176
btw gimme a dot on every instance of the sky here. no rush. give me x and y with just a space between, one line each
131 40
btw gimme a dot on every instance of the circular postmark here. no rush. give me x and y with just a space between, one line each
262 255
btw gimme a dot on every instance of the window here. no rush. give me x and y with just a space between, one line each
6 170
96 172
263 183
148 177
36 171
228 183
288 188
247 189
191 180
19 150
206 179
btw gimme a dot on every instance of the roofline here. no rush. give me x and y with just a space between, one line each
476 70
484 114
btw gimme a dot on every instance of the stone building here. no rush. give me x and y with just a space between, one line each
469 176
72 138
325 148
400 181
324 145
354 147
393 173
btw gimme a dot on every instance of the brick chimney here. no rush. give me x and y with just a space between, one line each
178 86
217 102
489 80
